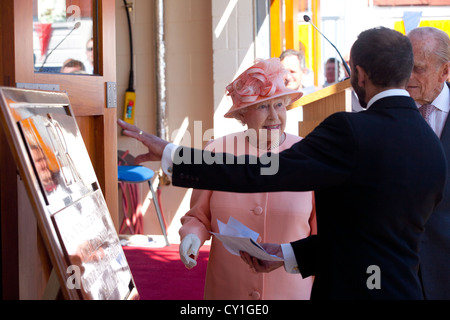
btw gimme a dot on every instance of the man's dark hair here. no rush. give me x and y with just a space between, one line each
385 54
333 60
71 63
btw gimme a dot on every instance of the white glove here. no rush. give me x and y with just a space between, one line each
189 246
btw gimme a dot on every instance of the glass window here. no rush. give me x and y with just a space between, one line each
64 37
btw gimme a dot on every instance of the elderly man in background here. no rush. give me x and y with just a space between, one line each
428 87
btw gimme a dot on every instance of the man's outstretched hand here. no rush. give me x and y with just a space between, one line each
264 266
154 144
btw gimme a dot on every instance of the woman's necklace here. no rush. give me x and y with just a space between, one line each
273 144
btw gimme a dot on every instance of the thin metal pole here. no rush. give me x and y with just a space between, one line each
161 125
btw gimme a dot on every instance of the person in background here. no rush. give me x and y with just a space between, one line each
294 62
73 66
275 216
90 56
332 71
428 87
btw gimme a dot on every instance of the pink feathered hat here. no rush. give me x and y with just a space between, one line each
263 81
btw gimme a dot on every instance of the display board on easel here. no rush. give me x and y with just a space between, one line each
70 209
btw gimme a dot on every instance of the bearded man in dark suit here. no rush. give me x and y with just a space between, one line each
373 192
429 90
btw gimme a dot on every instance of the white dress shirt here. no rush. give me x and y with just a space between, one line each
290 262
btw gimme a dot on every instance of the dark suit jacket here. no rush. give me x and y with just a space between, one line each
435 244
374 194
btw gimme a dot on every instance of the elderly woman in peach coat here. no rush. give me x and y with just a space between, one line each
259 99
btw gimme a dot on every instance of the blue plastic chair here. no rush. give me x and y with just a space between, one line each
139 174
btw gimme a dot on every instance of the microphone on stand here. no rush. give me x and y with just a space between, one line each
76 26
308 19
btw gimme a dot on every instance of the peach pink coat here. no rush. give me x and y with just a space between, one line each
278 217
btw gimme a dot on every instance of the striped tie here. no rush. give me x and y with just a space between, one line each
426 110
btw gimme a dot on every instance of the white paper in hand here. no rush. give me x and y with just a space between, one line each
237 237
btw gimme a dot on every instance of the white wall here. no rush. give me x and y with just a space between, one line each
234 51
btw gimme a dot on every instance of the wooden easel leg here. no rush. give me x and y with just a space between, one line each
53 288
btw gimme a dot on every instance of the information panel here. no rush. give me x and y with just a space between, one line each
63 189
